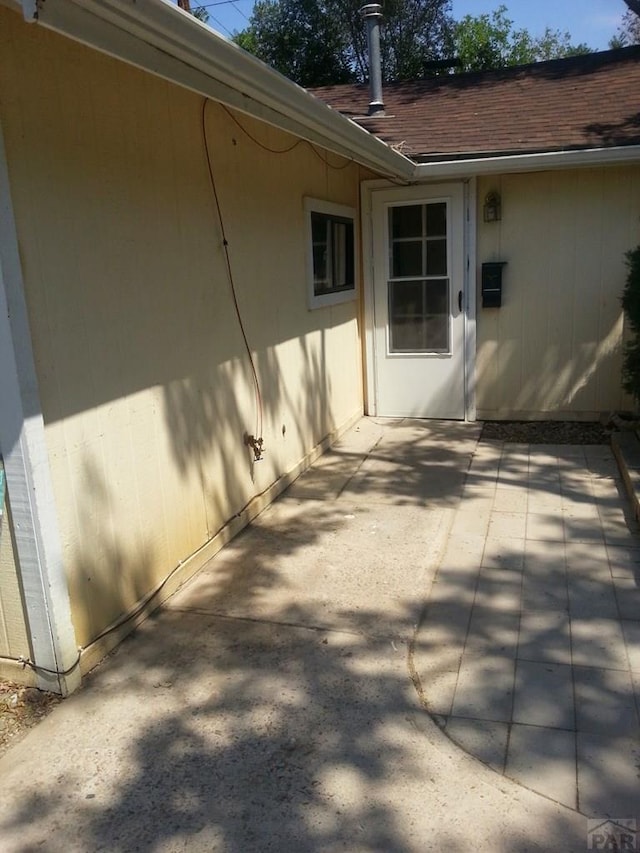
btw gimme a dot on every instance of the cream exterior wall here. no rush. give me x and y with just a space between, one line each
554 348
145 385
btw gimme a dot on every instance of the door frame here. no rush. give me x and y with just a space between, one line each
395 193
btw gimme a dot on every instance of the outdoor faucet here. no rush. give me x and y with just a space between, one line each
256 444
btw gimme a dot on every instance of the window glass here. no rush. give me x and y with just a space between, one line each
332 253
342 253
320 238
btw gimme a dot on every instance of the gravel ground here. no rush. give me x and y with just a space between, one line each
20 709
546 432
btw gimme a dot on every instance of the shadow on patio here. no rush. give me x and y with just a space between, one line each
270 705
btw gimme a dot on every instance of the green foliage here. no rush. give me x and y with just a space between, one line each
320 42
631 307
628 31
413 32
486 41
302 39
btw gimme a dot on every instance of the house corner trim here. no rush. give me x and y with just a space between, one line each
53 651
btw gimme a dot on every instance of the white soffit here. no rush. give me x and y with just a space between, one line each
160 38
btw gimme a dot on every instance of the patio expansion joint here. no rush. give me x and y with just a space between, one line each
509 724
279 623
364 458
575 700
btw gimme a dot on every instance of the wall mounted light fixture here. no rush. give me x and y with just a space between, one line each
492 207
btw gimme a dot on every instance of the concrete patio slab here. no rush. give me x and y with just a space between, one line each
279 700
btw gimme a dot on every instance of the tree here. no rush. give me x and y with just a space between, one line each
490 41
301 39
414 32
634 6
628 31
318 42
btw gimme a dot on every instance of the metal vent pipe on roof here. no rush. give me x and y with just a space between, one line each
373 16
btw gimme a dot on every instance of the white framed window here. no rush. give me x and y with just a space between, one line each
331 252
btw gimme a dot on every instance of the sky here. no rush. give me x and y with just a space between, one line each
590 21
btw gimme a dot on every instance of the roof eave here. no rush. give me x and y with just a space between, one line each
530 162
160 38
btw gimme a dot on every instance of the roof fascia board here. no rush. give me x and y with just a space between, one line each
156 36
621 155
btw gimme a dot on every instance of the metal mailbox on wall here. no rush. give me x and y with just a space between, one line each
492 284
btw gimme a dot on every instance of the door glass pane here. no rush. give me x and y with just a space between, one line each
419 316
406 316
437 315
407 298
419 308
407 259
406 221
436 257
437 219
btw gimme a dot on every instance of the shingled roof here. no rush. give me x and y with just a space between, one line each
582 102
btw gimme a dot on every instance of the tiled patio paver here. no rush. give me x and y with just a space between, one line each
627 594
548 685
598 642
484 689
605 702
631 631
590 598
503 554
544 695
607 774
544 759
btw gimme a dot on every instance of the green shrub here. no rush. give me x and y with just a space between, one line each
631 307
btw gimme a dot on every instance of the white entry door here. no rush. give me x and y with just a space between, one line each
418 302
